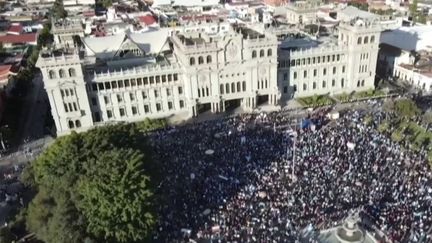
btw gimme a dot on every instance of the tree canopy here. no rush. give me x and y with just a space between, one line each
93 187
406 108
58 10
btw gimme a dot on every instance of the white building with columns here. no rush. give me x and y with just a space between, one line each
157 74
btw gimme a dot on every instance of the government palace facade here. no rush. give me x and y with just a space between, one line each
212 67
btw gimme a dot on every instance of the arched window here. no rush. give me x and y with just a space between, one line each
72 72
269 52
314 85
77 123
366 40
62 73
244 85
261 53
233 88
358 83
200 60
52 74
209 59
342 83
362 83
227 88
221 89
324 84
372 40
254 54
238 87
192 61
71 124
359 40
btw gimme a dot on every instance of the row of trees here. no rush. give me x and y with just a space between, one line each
93 187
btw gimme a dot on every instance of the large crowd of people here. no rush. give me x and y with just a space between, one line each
261 178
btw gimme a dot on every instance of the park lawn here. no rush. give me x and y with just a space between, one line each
316 100
417 135
344 97
367 94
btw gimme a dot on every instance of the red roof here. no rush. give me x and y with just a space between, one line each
15 28
4 70
16 39
89 13
147 19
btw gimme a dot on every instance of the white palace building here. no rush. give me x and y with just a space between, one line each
189 70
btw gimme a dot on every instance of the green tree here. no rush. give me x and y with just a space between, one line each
389 106
45 37
127 219
427 117
413 8
58 11
93 186
6 235
406 108
107 3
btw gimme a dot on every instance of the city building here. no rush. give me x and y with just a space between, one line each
406 54
329 62
130 77
213 66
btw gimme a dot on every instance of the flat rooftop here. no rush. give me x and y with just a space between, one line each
248 33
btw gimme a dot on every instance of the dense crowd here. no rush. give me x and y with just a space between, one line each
231 180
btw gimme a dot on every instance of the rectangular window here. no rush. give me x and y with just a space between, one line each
313 60
132 96
62 93
180 90
158 107
334 70
120 83
338 57
127 83
308 61
343 69
168 91
100 86
333 83
318 59
169 77
157 79
106 99
175 77
285 76
144 94
107 85
328 58
134 110
75 106
163 78
122 112
304 74
114 84
315 72
94 102
119 98
133 82
151 80
170 105
333 58
324 71
109 114
97 116
145 80
181 103
156 93
66 107
139 81
285 89
146 109
71 92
